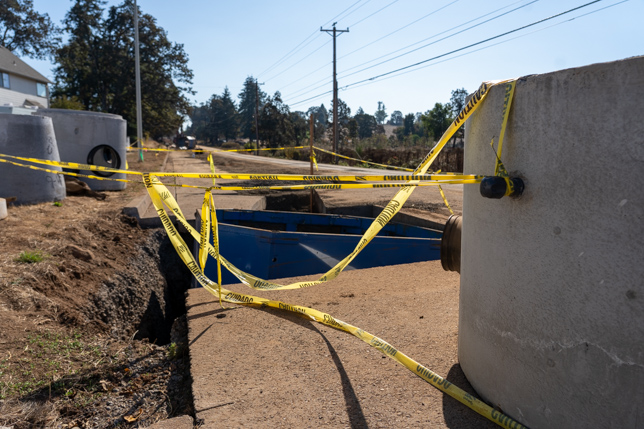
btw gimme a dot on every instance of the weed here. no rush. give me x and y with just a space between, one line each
58 203
172 351
27 257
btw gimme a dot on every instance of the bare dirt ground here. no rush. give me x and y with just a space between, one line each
82 291
78 284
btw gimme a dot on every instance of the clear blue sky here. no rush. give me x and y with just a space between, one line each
226 41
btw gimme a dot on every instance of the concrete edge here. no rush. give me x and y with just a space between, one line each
3 208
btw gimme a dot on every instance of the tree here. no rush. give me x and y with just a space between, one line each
26 32
344 114
408 124
366 125
320 118
229 117
381 114
274 125
396 118
300 124
457 101
64 102
81 69
437 120
199 118
352 128
247 105
97 66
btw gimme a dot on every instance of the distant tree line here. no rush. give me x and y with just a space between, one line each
221 118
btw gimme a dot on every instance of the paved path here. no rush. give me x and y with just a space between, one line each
265 368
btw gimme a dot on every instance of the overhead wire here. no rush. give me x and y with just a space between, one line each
373 78
490 46
439 40
368 44
301 92
475 44
400 28
288 55
353 25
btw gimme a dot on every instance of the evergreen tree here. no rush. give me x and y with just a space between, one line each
381 113
247 104
26 32
274 125
96 65
80 71
229 116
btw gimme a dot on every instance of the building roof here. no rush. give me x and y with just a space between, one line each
12 64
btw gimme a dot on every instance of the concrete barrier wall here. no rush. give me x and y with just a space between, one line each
551 325
78 132
32 137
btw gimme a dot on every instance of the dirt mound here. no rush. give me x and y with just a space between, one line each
87 302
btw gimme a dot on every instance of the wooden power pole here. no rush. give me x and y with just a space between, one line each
311 136
257 84
333 32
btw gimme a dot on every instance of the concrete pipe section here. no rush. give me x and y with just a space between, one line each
92 138
551 325
31 137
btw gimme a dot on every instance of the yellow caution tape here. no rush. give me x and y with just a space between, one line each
315 162
385 216
471 180
212 167
318 316
66 173
499 169
72 165
267 177
391 167
338 178
440 189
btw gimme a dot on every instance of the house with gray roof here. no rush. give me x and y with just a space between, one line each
21 85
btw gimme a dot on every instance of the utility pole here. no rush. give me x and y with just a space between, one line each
257 84
311 136
137 72
334 32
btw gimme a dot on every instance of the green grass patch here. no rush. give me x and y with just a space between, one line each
27 257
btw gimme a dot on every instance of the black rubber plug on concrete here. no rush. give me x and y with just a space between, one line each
495 187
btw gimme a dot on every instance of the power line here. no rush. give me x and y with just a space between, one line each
356 23
315 33
367 17
371 79
303 92
475 44
436 41
302 59
401 28
492 45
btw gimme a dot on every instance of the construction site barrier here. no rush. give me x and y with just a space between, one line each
160 196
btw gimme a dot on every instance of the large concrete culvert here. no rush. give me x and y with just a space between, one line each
551 325
30 137
92 138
